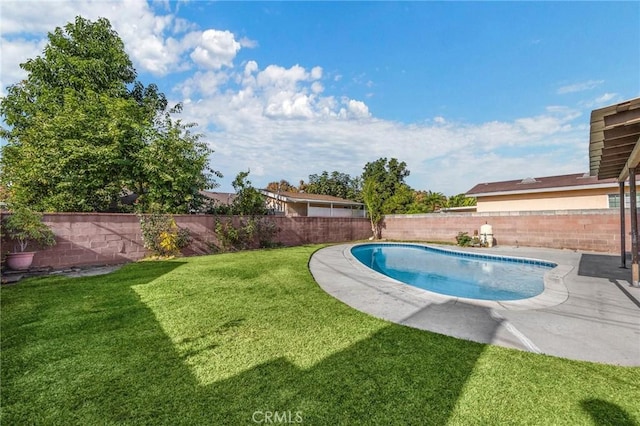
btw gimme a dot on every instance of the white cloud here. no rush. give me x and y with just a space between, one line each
15 52
215 49
248 43
579 87
602 101
356 109
280 78
202 83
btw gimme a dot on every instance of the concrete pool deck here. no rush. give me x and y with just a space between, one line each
589 311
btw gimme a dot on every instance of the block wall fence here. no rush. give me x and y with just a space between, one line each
113 238
586 230
105 238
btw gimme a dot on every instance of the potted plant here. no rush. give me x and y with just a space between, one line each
26 229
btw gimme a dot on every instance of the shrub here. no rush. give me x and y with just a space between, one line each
252 232
463 239
162 236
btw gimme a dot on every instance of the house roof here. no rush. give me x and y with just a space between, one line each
570 182
303 197
614 139
223 198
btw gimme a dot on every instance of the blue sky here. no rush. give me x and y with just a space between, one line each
463 92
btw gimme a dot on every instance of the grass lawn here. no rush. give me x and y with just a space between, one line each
229 339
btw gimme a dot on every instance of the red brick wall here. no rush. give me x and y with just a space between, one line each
99 239
589 230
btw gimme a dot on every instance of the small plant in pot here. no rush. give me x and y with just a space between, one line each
26 229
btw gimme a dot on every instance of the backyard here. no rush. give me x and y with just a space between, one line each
249 337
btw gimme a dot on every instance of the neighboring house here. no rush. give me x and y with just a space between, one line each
218 199
566 192
311 205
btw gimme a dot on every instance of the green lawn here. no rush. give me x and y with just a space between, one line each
223 339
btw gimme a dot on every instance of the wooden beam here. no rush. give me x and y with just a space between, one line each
631 163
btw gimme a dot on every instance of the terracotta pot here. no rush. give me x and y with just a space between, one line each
20 261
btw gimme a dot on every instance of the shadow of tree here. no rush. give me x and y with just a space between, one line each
106 359
606 413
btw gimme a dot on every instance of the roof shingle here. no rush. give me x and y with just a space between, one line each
538 183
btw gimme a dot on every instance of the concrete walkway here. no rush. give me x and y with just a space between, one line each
588 311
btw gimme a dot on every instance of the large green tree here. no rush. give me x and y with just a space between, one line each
390 176
384 190
80 130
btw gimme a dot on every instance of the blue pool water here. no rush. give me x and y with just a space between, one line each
458 274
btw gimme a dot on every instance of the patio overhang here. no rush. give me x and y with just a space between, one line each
614 144
614 152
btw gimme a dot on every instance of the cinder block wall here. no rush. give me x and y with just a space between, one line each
104 238
99 239
588 230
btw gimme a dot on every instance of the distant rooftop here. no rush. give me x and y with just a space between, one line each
540 184
222 198
302 197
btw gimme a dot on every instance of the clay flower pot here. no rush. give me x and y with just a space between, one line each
20 261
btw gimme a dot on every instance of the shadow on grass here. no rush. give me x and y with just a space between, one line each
606 413
88 351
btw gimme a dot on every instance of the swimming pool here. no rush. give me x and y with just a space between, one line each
460 274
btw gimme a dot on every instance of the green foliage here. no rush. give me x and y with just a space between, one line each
384 190
461 200
400 201
252 229
251 232
77 136
463 239
25 227
162 236
389 176
427 202
337 184
172 167
248 200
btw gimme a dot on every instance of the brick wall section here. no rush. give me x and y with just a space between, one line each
104 238
589 230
